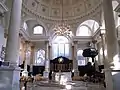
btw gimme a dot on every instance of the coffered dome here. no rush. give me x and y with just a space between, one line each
52 9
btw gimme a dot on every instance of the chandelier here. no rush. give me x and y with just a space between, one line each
62 28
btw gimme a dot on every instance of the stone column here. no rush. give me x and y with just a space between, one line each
75 62
20 49
26 58
32 57
13 33
8 3
46 56
112 46
49 52
26 55
99 54
47 59
12 73
111 37
23 52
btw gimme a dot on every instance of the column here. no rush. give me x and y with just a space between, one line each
99 53
111 37
26 54
75 62
12 72
47 60
19 62
49 52
46 56
13 33
8 3
23 52
112 46
26 58
32 57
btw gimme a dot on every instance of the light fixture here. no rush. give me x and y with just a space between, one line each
62 28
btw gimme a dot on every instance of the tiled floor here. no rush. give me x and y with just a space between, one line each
75 85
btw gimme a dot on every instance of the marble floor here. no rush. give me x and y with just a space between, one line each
74 85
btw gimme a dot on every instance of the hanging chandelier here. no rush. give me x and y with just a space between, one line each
62 28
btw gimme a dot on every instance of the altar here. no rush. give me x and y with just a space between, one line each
63 77
62 64
61 68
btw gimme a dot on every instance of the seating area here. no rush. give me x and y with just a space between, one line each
74 85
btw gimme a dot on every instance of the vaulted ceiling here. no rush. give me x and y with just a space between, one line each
52 9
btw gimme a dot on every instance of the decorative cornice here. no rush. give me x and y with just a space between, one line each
73 19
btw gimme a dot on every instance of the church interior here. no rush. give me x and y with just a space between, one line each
59 44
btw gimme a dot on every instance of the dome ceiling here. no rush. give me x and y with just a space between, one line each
52 9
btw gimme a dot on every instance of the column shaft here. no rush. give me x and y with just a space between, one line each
13 33
111 37
75 62
99 54
112 44
32 54
32 58
12 49
47 68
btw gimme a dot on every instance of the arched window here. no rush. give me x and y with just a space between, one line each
60 47
40 58
87 28
80 58
83 31
25 25
38 30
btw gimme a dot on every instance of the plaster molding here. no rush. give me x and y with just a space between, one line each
78 18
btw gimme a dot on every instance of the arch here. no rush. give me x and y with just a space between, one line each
92 26
27 19
60 46
60 39
53 33
83 31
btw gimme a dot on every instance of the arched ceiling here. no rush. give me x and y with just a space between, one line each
52 9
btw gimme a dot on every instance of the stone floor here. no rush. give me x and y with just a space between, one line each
74 85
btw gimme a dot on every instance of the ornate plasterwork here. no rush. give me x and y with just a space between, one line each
43 13
50 10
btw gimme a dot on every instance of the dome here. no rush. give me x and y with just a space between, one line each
52 9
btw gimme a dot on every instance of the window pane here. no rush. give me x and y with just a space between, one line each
55 50
83 31
38 30
67 50
40 60
61 49
25 26
91 25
